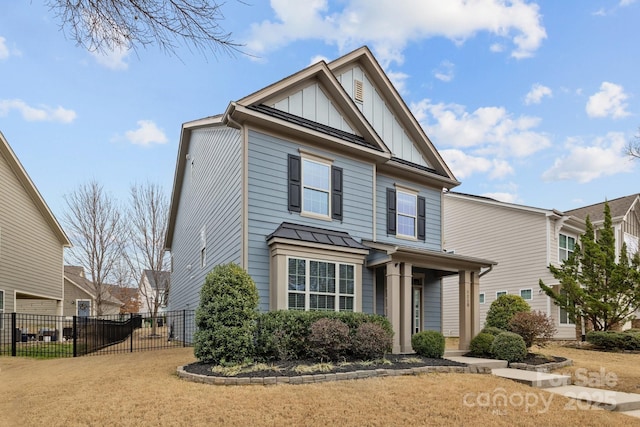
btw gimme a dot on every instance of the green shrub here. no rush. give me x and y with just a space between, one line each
492 330
612 340
534 327
329 339
509 346
283 334
428 344
371 341
632 331
225 318
503 309
481 344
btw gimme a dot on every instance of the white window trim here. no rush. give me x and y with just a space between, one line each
414 194
527 289
306 156
564 325
79 300
501 292
2 309
337 294
483 299
575 241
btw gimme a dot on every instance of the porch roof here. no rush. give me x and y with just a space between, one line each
445 262
305 233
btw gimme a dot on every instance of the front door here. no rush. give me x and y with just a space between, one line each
84 307
416 306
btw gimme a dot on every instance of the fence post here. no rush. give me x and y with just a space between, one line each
131 330
75 336
13 334
184 328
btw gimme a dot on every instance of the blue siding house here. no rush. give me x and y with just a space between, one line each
325 188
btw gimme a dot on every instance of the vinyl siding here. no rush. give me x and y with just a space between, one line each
268 207
31 255
210 200
73 293
433 215
515 238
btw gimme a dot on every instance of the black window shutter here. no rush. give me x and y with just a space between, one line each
421 218
336 193
391 211
295 189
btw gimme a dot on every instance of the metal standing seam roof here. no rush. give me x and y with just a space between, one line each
305 233
310 124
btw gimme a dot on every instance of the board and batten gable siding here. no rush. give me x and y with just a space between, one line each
433 213
515 238
313 104
268 206
375 110
31 255
210 201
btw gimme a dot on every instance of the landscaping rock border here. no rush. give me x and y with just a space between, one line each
326 377
545 367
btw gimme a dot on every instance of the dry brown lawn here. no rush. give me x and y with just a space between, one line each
142 389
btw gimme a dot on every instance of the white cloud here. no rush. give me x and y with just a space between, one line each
464 165
624 3
585 162
389 26
502 197
610 101
445 71
147 133
42 113
536 94
398 79
487 130
497 48
4 50
114 59
318 58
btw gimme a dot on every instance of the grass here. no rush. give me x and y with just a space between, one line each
142 389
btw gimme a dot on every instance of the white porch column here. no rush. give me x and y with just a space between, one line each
465 309
393 303
406 312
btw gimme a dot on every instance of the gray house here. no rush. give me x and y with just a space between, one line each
325 188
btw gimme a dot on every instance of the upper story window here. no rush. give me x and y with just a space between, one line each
405 213
315 186
566 247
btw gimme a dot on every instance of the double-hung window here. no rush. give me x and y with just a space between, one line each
565 317
406 213
315 186
320 285
566 246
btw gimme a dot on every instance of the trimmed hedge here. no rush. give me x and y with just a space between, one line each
371 341
284 334
481 344
509 346
492 330
428 344
503 309
612 340
329 339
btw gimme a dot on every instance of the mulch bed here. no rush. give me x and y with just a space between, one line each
287 368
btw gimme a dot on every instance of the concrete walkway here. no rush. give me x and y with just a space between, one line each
625 403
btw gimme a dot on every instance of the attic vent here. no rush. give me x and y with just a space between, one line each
358 91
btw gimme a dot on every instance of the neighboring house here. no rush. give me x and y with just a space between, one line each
154 291
524 240
31 244
128 296
325 188
80 295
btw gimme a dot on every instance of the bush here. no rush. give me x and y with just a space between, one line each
481 344
428 344
492 330
503 309
329 339
509 346
371 341
225 318
283 334
534 327
612 340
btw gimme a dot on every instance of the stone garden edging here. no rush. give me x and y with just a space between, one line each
546 367
320 378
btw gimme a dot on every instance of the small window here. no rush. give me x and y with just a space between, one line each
566 246
526 294
482 298
500 293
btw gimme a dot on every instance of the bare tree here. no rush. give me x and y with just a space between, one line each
109 25
633 148
94 222
147 218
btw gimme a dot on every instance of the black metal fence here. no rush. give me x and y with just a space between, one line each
42 336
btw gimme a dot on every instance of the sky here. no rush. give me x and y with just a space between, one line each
528 102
